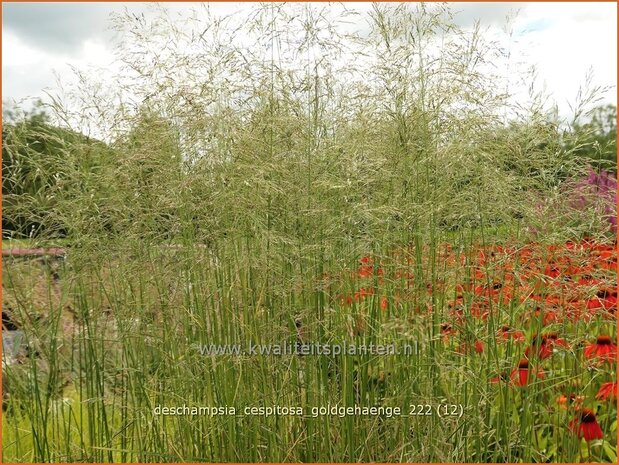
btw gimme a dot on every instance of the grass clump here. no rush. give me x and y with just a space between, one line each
287 178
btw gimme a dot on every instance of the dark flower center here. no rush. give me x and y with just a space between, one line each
587 416
503 376
604 340
605 294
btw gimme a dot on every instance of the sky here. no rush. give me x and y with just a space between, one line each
565 41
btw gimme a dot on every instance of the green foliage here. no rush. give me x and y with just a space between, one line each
291 146
140 186
596 139
40 164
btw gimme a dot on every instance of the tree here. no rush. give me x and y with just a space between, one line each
597 138
41 163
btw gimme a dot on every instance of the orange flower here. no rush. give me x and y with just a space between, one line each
572 401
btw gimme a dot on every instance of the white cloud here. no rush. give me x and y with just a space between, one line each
564 41
15 52
96 53
574 39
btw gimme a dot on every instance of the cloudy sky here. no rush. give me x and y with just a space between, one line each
564 40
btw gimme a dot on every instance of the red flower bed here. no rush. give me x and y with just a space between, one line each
553 305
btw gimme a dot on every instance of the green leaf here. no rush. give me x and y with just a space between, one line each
610 451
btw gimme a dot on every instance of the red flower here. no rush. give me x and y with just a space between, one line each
479 346
505 332
607 390
588 280
552 271
539 314
447 330
478 311
345 299
384 303
603 348
604 299
586 426
553 339
366 268
365 271
543 346
500 378
522 375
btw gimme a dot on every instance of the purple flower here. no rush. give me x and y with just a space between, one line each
596 191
